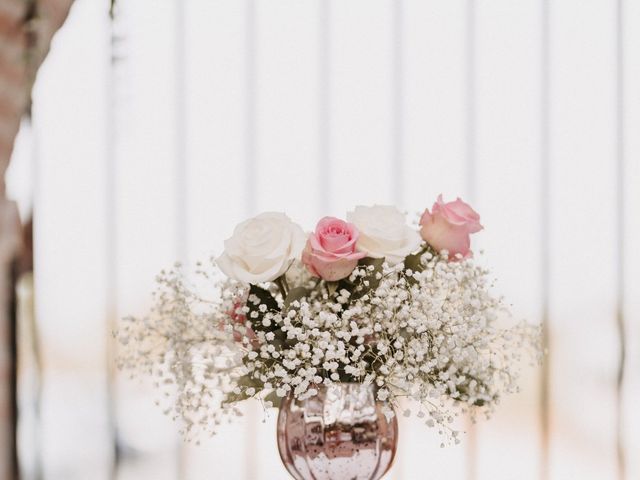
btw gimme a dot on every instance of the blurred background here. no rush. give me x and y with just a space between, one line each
154 126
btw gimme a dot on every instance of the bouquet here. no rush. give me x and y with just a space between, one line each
370 299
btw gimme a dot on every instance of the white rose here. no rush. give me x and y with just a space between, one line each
262 248
384 233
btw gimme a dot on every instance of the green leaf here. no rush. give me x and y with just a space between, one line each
295 294
359 288
265 298
332 287
256 318
243 382
274 399
413 262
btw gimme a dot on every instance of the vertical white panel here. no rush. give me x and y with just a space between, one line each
216 186
434 155
507 45
582 309
146 209
361 104
434 100
215 119
631 268
69 121
287 147
287 108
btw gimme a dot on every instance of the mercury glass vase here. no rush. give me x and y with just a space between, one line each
339 434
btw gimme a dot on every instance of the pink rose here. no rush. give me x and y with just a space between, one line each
330 252
449 225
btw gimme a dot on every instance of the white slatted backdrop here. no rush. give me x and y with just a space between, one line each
156 131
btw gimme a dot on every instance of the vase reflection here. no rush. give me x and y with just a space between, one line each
339 434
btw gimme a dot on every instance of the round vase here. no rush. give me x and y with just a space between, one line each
339 434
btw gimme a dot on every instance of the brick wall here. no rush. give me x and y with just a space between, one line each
9 244
26 30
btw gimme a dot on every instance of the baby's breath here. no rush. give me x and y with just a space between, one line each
427 334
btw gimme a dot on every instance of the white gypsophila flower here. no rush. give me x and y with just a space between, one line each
384 233
262 248
431 336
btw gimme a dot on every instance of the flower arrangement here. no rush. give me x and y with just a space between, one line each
370 300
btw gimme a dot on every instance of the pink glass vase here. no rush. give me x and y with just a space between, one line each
340 434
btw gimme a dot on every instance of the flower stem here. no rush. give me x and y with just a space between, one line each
281 282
